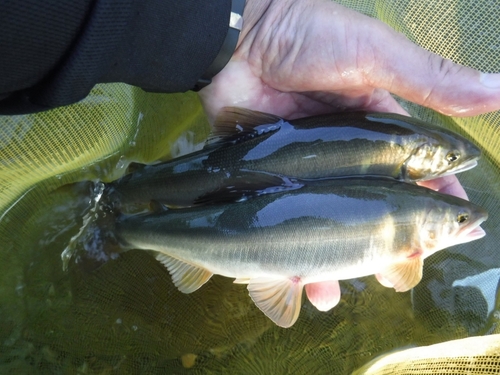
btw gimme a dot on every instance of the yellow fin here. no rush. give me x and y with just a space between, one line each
279 299
186 277
402 276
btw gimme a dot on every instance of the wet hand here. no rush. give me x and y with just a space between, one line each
299 58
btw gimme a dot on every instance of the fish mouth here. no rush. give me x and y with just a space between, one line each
468 165
409 174
476 233
465 166
473 231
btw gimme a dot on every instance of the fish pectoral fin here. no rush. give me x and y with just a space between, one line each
247 184
324 295
402 276
186 277
279 299
234 124
382 280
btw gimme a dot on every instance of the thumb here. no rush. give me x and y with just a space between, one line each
425 78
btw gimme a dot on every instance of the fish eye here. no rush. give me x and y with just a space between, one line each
462 217
452 156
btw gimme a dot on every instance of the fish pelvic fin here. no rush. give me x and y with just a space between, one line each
402 276
233 124
279 299
324 295
242 280
186 277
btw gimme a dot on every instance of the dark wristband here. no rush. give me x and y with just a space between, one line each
228 47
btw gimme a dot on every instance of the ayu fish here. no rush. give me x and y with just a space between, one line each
251 152
326 231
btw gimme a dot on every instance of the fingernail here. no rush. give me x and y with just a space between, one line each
491 81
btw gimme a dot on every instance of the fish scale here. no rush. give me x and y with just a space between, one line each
326 231
255 151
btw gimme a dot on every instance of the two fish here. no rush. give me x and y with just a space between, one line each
247 143
311 232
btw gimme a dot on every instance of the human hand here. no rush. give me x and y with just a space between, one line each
300 58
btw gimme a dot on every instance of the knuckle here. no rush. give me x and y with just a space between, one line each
442 68
442 73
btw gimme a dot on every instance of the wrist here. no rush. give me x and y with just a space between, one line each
264 20
254 11
228 46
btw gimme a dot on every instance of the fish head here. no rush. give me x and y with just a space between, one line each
442 155
448 222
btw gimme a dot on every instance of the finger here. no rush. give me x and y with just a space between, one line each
446 185
367 99
314 103
386 104
425 78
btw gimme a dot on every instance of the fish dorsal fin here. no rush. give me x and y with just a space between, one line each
235 123
324 295
247 184
279 299
402 276
186 277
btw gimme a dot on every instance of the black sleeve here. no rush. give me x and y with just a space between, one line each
52 52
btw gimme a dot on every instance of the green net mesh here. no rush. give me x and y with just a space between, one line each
127 317
471 356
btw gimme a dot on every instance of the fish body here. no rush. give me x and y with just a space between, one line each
324 232
257 150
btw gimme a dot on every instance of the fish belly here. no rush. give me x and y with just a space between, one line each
311 250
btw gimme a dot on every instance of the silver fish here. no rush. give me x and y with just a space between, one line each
324 232
246 143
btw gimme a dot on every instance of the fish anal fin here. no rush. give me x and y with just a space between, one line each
279 299
247 184
324 295
404 275
186 277
235 123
